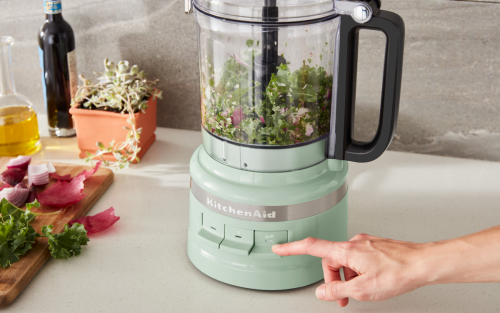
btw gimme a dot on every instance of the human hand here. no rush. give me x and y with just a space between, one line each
375 269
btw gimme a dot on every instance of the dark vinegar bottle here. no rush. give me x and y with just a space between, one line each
56 46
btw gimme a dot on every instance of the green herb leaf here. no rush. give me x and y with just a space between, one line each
68 243
17 236
100 145
7 258
35 204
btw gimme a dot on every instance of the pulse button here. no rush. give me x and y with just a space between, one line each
264 240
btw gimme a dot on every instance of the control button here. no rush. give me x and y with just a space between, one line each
212 231
264 240
237 240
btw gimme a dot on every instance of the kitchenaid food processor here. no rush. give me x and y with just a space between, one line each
277 86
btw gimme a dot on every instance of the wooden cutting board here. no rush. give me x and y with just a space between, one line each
14 278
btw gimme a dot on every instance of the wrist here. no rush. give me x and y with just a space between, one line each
440 262
473 258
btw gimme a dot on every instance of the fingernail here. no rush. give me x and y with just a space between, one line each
320 292
275 247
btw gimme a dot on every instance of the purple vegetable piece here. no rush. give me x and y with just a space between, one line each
62 193
98 222
32 194
38 175
17 195
13 176
262 120
20 162
238 116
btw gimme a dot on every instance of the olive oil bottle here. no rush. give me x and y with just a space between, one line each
18 122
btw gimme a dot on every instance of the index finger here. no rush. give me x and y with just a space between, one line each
312 246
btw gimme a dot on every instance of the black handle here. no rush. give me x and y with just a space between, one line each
341 145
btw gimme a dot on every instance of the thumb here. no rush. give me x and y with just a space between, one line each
334 291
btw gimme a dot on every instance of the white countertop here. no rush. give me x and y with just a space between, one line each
141 264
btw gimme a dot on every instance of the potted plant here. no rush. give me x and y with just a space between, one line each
120 110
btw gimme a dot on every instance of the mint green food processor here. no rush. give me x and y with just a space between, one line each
278 87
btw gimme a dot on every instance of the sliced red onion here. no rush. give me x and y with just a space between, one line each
17 195
20 162
13 176
5 186
50 167
38 175
32 194
240 61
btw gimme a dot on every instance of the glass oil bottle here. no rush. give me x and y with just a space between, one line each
18 122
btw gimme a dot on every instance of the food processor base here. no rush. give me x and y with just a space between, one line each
271 272
251 263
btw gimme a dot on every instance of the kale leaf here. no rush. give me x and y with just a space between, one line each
68 243
17 236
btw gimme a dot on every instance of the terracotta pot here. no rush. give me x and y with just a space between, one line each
94 126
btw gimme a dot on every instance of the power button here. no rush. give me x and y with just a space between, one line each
264 240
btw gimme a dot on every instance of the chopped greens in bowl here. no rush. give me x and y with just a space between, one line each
293 108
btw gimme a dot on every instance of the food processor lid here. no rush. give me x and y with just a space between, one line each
255 10
278 11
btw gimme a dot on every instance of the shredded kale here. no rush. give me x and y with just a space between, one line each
293 108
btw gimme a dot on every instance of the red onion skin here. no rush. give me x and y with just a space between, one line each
63 194
98 222
59 177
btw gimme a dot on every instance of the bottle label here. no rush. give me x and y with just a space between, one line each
52 6
73 78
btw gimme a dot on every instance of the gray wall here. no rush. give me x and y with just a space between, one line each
451 83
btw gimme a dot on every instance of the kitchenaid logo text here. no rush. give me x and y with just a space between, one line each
257 213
